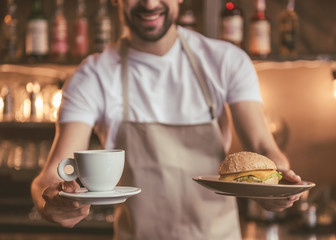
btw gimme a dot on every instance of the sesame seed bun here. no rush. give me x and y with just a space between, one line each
245 161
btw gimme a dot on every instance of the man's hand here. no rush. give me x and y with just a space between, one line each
61 210
278 205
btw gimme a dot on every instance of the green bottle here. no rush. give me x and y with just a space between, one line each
37 46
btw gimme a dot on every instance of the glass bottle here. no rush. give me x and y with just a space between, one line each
288 30
37 44
187 17
8 103
80 41
103 28
59 34
260 32
232 23
10 40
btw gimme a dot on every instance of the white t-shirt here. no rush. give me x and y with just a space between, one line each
162 89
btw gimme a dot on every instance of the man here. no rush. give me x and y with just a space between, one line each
158 95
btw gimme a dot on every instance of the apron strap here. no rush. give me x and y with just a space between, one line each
124 77
199 73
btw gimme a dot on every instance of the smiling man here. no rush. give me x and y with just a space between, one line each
159 94
149 24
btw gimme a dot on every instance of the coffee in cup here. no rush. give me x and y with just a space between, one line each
98 170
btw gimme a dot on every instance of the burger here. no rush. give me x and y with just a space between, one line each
249 167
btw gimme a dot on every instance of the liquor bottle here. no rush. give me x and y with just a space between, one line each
37 44
80 41
288 30
260 32
59 34
103 28
187 17
232 23
10 40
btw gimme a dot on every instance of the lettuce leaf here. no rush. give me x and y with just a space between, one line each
276 174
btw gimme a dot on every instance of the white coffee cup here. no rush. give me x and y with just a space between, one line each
98 170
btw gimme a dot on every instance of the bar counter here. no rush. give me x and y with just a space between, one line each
53 236
251 230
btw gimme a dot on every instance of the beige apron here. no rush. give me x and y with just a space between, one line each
161 159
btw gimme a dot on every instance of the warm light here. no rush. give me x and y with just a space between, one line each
56 100
1 107
26 108
34 91
36 88
18 158
8 19
39 107
229 5
1 104
54 114
334 83
29 87
33 87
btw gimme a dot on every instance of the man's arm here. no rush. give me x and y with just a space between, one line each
254 134
69 137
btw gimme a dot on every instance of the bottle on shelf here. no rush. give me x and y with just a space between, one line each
10 40
35 100
232 23
8 110
260 32
187 17
102 28
288 30
80 40
37 35
59 34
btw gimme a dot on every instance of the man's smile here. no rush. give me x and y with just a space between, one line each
150 18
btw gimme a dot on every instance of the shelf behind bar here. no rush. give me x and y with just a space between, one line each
30 130
27 130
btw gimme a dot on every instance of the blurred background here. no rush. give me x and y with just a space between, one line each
294 56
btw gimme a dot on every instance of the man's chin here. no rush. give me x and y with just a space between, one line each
150 36
150 33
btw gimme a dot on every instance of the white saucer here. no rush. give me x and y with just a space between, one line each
118 195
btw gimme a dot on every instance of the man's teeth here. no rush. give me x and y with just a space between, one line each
150 17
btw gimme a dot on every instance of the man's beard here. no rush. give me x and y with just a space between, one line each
145 33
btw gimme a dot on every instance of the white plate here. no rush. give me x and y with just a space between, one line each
118 195
252 190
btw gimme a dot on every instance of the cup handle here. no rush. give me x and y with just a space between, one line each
62 165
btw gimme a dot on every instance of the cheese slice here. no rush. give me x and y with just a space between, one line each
262 174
